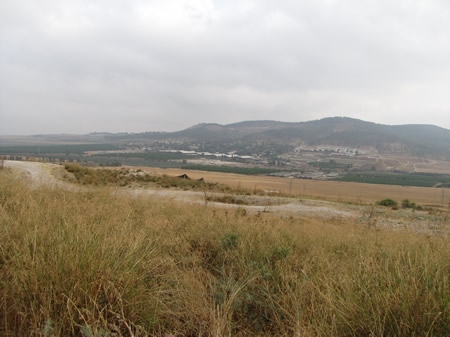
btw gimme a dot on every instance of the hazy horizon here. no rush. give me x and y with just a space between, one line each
137 66
189 126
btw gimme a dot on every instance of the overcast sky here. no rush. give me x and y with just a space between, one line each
110 65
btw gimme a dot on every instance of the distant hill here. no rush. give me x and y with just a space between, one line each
277 137
418 140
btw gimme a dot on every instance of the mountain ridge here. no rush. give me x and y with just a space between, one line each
414 139
260 136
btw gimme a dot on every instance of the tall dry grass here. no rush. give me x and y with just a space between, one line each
102 264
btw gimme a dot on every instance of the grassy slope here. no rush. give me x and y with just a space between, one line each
76 264
126 177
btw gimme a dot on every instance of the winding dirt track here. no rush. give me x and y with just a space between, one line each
40 173
47 174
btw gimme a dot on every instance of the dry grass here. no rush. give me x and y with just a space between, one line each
132 178
244 200
330 190
98 263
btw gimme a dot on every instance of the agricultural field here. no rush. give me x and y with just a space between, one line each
398 178
329 190
230 169
54 149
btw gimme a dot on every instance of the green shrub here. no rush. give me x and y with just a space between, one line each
408 204
388 203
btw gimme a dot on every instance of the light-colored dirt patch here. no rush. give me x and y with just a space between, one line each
40 173
286 206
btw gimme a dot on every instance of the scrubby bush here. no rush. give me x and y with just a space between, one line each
388 203
408 204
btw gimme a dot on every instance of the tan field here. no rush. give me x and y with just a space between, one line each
332 190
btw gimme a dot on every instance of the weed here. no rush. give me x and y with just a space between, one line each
48 328
280 252
230 240
87 331
408 204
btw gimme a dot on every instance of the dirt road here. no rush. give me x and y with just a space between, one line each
40 173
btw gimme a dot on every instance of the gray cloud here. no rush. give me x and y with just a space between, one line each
81 66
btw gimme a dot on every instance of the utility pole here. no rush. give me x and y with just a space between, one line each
443 197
